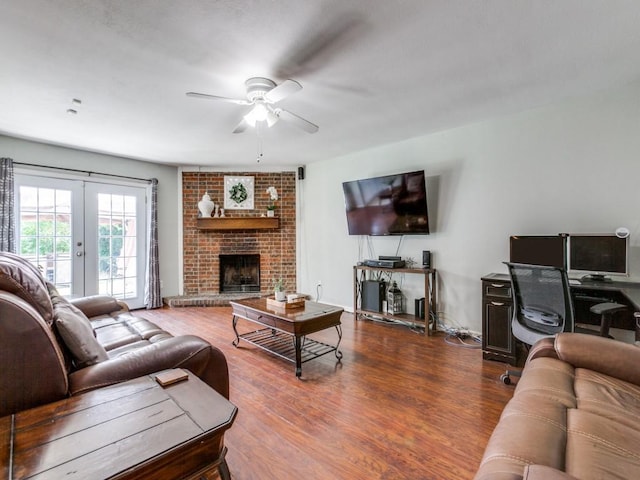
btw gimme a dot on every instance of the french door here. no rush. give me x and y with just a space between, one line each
85 237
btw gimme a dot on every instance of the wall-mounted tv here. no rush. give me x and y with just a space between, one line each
389 205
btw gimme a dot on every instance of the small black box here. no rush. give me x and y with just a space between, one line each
426 259
419 311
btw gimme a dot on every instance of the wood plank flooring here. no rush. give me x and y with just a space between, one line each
400 405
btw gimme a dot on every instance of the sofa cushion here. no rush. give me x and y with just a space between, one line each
608 397
542 472
75 330
20 277
600 448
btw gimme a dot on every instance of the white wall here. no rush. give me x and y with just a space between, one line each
168 195
572 167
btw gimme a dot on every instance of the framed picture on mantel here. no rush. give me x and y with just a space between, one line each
238 193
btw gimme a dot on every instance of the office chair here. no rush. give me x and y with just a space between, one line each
542 306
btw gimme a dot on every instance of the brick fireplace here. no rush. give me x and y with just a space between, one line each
276 248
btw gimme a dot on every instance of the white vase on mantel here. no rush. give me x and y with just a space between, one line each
206 206
271 213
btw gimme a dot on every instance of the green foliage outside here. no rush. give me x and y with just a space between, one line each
110 241
48 238
54 238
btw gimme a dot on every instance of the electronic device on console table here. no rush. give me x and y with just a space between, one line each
385 262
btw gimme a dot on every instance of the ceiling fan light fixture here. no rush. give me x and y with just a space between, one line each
257 114
260 113
272 118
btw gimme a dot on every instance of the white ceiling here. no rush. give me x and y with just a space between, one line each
372 71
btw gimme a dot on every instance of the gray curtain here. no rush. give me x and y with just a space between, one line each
153 298
7 215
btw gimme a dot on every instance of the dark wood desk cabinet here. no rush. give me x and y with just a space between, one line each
497 309
132 430
498 343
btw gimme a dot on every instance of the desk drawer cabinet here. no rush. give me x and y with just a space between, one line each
498 342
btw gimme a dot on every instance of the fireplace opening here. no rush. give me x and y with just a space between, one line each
239 273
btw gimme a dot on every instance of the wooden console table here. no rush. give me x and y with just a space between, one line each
131 430
430 296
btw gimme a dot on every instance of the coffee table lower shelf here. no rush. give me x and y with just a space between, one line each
283 345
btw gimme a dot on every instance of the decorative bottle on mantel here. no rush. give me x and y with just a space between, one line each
205 206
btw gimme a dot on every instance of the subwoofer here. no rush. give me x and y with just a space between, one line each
373 293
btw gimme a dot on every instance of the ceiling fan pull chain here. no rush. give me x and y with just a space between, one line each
259 156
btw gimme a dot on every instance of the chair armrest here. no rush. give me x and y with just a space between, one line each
542 472
604 355
187 351
95 305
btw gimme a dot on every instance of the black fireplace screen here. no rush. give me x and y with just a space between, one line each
240 273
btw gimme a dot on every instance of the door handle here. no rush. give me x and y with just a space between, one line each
497 304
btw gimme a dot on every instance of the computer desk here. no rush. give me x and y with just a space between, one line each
588 292
624 292
498 342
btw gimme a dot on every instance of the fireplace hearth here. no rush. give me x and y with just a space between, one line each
239 273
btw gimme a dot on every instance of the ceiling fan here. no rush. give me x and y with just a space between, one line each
264 94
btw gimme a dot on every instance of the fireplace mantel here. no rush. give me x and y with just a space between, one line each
238 223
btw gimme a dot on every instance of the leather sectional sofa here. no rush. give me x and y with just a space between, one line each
51 348
575 413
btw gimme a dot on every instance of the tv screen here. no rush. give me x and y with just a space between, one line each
547 250
598 255
389 205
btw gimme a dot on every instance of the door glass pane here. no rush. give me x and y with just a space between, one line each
45 233
117 256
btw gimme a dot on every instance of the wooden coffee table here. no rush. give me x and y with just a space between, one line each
285 331
131 430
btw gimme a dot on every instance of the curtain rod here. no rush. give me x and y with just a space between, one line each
88 172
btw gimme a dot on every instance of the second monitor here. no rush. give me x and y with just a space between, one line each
549 250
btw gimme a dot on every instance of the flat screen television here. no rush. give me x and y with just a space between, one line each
598 255
547 250
389 205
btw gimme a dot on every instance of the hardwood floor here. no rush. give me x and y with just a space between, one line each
400 405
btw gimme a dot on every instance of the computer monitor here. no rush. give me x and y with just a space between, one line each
546 250
598 255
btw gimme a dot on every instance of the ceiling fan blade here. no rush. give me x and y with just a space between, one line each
283 90
241 127
299 122
216 97
320 40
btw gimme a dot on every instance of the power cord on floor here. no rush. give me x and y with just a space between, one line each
460 337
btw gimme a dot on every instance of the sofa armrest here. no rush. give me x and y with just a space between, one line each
542 472
187 351
95 305
611 357
543 348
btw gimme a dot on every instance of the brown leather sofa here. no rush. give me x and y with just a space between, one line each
51 348
575 414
